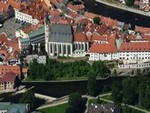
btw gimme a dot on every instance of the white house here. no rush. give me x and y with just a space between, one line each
24 17
133 54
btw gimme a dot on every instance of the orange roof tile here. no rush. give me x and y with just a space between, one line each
7 69
3 6
135 46
79 37
142 29
90 15
25 70
103 48
101 30
99 37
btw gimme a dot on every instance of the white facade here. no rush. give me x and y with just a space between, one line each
103 56
60 49
42 59
3 111
131 59
25 17
145 1
80 49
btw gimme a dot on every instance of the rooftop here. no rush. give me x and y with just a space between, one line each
61 33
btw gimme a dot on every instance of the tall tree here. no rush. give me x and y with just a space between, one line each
97 20
129 2
116 92
29 97
17 82
91 86
77 104
129 90
100 69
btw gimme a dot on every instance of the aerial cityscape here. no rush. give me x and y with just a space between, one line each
74 56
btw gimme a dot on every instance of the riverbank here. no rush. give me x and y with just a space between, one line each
123 7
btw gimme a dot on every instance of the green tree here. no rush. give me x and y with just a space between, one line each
97 20
29 97
77 104
114 72
100 69
91 86
17 82
116 92
129 2
129 91
144 93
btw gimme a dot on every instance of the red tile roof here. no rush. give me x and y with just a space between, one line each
3 6
9 77
7 69
25 70
90 15
109 47
135 46
102 29
99 37
75 7
15 4
142 29
102 48
79 37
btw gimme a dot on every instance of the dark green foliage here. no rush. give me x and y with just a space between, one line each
129 90
127 109
114 72
144 94
116 92
91 86
17 82
97 20
129 2
29 97
77 104
1 60
133 91
100 69
54 69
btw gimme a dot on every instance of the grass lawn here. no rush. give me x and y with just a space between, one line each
56 109
108 97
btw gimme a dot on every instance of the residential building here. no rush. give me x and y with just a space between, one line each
4 69
24 17
7 107
134 53
7 82
9 50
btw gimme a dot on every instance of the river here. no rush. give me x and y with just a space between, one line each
62 88
114 13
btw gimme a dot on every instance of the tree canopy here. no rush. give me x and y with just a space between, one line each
77 104
54 69
91 86
29 97
97 20
129 2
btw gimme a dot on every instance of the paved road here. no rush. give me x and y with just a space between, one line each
56 102
64 99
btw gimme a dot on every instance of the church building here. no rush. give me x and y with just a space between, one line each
61 40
